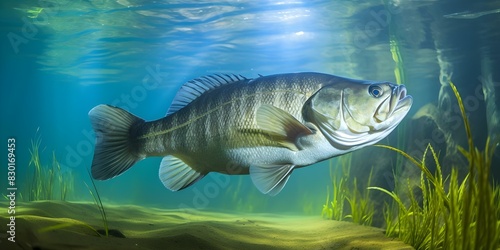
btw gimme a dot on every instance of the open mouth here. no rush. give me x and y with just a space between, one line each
403 101
396 104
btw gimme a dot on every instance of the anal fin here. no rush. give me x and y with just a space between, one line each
270 179
176 175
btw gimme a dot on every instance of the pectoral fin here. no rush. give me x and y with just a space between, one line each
270 179
176 175
281 126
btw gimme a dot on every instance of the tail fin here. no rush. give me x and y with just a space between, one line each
115 151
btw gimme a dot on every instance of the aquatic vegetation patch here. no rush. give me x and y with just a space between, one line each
348 203
46 182
445 212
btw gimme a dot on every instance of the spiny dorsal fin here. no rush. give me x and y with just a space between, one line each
196 87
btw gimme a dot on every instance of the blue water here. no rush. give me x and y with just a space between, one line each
60 58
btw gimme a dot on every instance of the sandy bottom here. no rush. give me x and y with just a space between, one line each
64 225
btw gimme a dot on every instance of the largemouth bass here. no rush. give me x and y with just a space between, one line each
266 127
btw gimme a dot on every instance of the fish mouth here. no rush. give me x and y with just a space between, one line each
395 106
403 101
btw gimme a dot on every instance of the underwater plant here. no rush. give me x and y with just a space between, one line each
46 182
400 76
100 207
348 202
443 212
334 209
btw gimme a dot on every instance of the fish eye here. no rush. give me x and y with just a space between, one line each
375 91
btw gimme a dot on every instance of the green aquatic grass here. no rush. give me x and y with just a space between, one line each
445 212
348 203
98 203
400 76
334 209
34 180
45 182
361 206
416 220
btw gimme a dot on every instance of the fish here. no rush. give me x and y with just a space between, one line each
265 127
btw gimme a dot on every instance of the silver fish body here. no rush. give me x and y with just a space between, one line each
265 127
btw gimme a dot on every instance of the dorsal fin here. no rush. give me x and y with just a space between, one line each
196 87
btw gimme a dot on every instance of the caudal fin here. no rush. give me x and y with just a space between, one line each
114 148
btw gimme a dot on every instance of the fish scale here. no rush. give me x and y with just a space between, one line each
226 115
194 138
